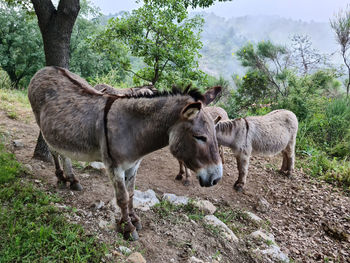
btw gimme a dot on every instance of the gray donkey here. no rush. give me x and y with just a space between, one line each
81 123
214 113
260 135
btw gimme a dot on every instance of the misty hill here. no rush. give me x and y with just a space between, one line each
221 37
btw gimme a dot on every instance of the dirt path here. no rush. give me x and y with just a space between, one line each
309 219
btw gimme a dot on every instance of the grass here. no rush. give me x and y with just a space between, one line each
165 209
238 221
32 229
12 100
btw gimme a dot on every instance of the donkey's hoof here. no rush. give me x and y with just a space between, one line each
132 236
238 187
178 177
61 184
76 186
138 225
186 183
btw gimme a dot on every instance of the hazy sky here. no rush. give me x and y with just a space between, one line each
317 10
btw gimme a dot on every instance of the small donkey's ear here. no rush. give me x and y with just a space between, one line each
217 119
191 110
211 94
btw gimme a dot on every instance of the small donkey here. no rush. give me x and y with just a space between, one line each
81 123
217 114
260 135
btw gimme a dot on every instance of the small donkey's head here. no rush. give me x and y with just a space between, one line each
193 140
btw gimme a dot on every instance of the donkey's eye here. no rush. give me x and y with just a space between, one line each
200 138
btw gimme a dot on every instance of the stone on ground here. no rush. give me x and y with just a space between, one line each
136 257
205 206
227 232
174 199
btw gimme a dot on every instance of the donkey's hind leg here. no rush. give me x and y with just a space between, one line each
242 163
290 152
130 177
284 166
68 171
61 180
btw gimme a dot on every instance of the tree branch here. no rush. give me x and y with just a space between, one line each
44 10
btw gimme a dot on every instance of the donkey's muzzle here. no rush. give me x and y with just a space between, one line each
210 176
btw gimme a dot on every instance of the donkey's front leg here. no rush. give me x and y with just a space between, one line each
187 178
242 163
125 225
181 171
130 177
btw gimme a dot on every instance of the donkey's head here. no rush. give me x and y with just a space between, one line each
193 140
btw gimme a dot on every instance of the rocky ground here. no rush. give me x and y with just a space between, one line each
298 219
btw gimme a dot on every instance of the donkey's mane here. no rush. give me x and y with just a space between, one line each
194 93
226 126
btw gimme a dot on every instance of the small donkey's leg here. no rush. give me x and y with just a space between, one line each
61 180
130 177
125 225
290 150
284 166
242 163
181 172
68 171
188 175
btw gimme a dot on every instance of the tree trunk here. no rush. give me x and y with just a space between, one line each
56 27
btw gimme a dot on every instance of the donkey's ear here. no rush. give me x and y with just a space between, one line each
211 94
190 111
217 119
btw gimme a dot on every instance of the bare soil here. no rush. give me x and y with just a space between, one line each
310 219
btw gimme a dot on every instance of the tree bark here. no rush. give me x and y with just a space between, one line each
56 27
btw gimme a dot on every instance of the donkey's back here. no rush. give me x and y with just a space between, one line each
67 110
273 132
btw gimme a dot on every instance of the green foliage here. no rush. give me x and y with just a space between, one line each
267 70
87 59
162 35
33 230
21 48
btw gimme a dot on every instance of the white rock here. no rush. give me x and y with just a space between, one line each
262 205
253 217
213 220
195 260
136 257
124 250
174 199
97 165
264 236
205 206
18 143
145 200
98 205
275 252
